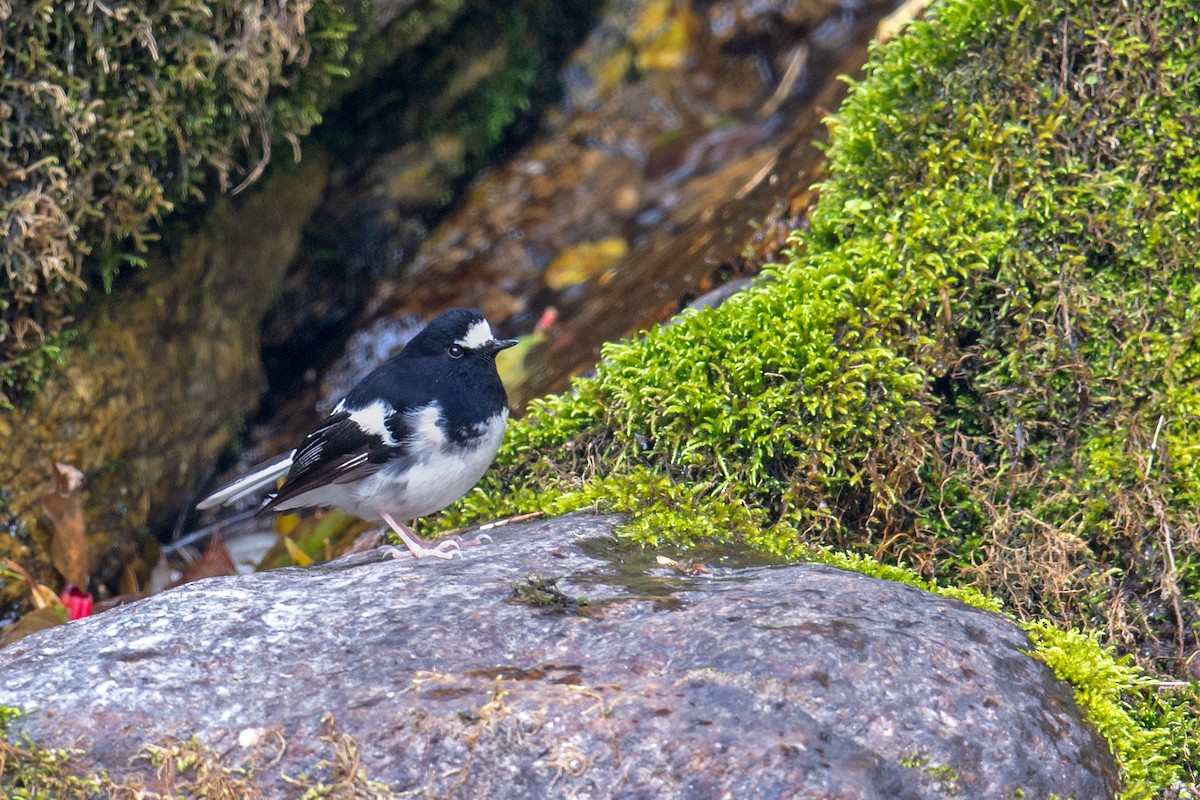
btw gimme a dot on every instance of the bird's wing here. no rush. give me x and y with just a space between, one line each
339 451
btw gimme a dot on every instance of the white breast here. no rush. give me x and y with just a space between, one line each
444 474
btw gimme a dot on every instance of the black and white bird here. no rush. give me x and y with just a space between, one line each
414 436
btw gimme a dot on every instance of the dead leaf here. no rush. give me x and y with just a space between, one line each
128 583
510 362
300 558
578 263
214 561
693 568
68 534
36 620
40 595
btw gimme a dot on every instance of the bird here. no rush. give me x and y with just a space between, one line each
416 434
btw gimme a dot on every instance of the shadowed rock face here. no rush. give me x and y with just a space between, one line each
171 366
763 681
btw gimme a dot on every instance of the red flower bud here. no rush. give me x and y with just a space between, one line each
78 602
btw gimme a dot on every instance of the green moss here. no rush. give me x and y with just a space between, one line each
891 572
941 773
1152 733
544 593
981 362
28 771
183 769
26 371
980 336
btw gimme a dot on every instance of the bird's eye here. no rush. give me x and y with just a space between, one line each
455 351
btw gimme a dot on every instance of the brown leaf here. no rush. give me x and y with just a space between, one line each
693 568
44 597
36 620
68 535
128 583
578 263
40 595
215 560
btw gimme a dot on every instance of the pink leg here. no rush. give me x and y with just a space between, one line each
418 546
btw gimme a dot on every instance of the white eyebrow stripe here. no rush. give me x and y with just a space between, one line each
373 419
479 334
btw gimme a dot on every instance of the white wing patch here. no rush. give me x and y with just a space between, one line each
310 456
479 334
373 419
427 434
353 462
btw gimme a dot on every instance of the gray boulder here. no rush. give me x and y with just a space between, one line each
556 663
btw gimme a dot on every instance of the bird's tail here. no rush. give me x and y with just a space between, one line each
263 476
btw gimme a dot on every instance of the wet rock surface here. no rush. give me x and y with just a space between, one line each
490 676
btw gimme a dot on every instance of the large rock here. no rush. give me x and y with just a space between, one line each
760 681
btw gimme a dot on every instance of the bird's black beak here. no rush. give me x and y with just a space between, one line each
502 344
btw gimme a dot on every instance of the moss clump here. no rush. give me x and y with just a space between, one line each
965 364
544 593
982 361
110 114
30 771
1151 734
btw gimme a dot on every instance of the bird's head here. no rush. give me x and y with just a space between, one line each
457 334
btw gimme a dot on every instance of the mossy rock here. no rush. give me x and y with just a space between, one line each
981 362
954 353
115 117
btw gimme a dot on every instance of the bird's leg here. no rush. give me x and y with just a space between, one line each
418 546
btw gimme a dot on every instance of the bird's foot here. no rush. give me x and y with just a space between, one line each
482 538
448 548
392 551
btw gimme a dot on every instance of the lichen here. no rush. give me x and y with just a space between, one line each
980 363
